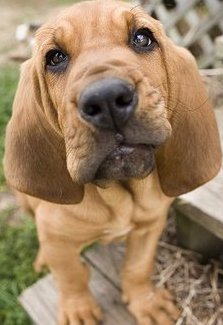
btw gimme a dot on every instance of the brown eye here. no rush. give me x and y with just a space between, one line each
143 40
56 59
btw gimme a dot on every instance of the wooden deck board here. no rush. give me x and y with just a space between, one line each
110 257
36 299
40 300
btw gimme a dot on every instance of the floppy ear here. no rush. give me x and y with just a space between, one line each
35 159
192 156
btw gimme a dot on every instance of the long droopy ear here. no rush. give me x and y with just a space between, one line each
192 156
35 159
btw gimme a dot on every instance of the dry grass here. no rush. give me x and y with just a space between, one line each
198 288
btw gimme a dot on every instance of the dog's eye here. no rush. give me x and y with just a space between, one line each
56 58
143 40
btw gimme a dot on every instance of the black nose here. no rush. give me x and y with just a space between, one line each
108 103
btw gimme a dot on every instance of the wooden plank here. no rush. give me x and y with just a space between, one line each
213 80
219 52
213 6
34 301
206 60
199 27
40 300
149 6
205 42
110 257
174 34
182 8
185 208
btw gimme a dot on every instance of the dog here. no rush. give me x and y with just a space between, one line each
110 123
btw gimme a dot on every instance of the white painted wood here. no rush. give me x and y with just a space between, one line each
214 6
195 33
219 52
199 27
180 12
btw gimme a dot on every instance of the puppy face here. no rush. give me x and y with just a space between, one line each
100 47
107 96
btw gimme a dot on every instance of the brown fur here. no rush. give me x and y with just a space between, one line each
52 154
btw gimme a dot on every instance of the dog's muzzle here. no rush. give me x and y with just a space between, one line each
108 104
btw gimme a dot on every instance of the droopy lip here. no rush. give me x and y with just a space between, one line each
127 161
124 150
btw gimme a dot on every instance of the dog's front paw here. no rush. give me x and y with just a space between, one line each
154 307
81 309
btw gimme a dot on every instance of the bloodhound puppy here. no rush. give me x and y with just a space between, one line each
110 122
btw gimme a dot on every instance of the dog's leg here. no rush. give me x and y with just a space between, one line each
60 251
147 303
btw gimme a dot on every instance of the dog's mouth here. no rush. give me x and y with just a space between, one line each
127 161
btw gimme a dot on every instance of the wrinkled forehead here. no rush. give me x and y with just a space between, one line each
93 21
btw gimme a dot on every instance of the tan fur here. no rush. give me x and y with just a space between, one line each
52 153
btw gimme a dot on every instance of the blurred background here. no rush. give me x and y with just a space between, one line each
191 249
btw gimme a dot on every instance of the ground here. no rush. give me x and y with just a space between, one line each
14 12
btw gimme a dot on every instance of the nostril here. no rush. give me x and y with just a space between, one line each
124 100
92 110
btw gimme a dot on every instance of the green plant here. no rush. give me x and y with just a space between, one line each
8 82
18 249
18 244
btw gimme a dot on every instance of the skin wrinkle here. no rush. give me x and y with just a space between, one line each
66 32
162 122
80 144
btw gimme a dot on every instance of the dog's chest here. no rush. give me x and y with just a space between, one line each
112 233
121 225
112 213
125 213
